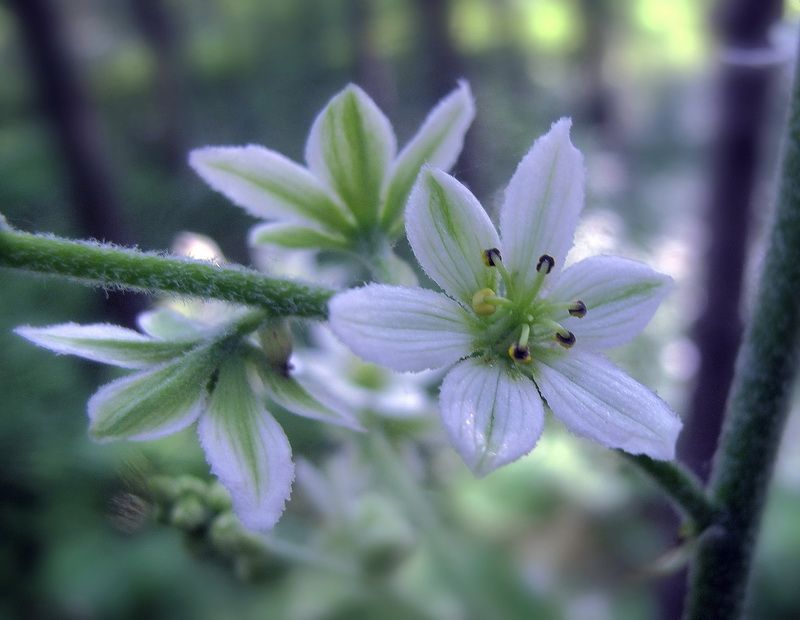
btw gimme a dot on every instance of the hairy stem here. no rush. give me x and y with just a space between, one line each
757 407
109 266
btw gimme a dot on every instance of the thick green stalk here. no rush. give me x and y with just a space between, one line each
113 267
757 407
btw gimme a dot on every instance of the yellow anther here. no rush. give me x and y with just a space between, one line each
519 354
480 305
491 256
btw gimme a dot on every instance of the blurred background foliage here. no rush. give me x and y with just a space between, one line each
147 80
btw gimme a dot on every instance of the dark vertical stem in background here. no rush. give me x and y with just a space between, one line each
159 32
743 98
77 131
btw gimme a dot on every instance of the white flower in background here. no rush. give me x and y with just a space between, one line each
522 332
351 195
363 386
199 362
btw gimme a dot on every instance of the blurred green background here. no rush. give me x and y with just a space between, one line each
141 82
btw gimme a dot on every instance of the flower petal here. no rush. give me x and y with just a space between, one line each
307 401
151 403
621 297
105 343
596 399
401 328
167 324
448 231
267 184
437 143
296 235
492 416
350 147
542 203
247 449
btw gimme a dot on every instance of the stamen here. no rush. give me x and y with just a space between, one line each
491 257
578 309
519 354
480 305
524 335
546 262
565 341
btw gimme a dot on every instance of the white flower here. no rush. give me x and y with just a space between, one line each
523 333
190 371
351 195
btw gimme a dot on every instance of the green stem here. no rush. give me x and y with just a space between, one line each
682 487
757 407
109 266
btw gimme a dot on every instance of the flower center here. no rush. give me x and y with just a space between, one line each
521 326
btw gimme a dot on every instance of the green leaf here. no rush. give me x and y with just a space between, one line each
246 448
350 146
437 143
105 343
155 402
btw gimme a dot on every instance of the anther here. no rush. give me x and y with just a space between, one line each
546 262
491 257
519 354
565 341
578 309
480 305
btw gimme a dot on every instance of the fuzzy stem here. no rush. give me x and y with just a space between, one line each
109 266
757 407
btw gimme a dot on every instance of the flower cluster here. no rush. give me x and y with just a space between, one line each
522 331
351 196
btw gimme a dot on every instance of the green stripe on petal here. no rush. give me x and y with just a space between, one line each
267 184
493 417
448 231
596 399
152 403
542 203
308 402
296 236
109 344
350 146
246 448
621 297
437 143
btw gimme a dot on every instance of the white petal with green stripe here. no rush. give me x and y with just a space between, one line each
105 343
437 143
296 236
350 146
169 324
266 183
306 401
246 448
152 403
